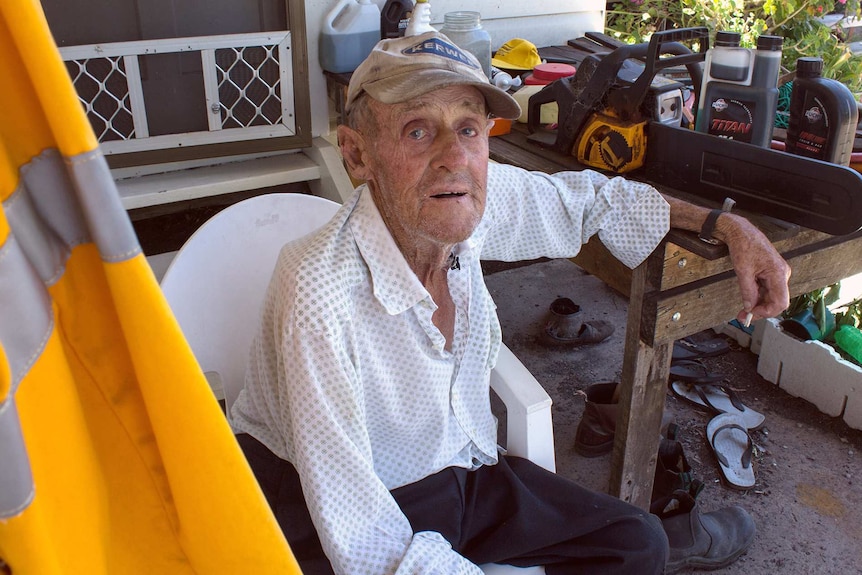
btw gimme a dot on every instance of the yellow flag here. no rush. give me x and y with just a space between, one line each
115 457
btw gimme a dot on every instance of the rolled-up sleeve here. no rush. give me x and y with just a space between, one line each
531 215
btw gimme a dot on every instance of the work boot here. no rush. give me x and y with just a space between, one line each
595 433
563 328
705 541
562 320
672 470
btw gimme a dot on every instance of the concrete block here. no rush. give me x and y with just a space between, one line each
813 371
734 333
757 336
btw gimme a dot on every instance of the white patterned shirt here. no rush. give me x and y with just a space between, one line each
350 380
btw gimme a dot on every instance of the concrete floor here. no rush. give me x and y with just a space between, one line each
808 466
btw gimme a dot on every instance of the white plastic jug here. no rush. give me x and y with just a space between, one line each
349 32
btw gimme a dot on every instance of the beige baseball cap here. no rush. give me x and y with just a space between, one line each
400 69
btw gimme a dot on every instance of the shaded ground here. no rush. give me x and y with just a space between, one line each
808 466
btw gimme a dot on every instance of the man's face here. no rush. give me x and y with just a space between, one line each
427 165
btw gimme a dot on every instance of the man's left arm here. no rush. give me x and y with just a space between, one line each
760 269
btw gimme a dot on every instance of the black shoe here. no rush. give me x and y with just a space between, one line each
597 427
704 541
672 470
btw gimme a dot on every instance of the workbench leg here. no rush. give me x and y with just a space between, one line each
641 403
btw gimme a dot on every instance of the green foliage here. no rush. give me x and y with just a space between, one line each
849 314
797 21
817 300
813 299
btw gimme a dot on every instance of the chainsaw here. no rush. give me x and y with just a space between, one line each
605 108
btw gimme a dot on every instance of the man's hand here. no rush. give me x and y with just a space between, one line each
760 269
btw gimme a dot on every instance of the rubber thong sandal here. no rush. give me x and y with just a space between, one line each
687 348
693 371
733 449
720 399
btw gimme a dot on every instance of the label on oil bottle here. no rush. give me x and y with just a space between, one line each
731 118
813 129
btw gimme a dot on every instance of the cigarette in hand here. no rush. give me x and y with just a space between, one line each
748 318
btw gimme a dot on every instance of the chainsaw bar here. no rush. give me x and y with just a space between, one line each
812 193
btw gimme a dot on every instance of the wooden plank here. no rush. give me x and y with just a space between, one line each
712 301
561 55
588 46
682 265
218 179
607 41
505 151
641 403
595 259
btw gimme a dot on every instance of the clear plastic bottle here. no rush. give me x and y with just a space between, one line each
823 115
465 30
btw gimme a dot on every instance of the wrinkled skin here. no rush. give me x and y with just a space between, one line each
761 271
426 164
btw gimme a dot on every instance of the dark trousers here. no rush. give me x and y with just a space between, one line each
514 512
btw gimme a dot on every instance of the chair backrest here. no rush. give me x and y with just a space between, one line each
216 283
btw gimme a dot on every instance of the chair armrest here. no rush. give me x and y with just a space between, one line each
529 431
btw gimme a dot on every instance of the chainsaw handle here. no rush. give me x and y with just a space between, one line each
670 42
666 42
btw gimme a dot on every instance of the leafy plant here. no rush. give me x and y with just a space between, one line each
849 314
799 22
818 301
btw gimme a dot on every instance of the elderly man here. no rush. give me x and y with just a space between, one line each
366 412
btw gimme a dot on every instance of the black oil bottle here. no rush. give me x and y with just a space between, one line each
823 115
394 18
737 104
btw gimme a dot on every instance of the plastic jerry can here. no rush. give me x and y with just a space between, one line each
349 32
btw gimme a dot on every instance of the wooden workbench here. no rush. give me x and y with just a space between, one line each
684 287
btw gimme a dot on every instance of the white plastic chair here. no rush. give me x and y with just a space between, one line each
216 283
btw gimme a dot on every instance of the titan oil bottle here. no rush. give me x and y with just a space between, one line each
739 96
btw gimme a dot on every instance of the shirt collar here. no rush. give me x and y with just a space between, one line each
394 284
